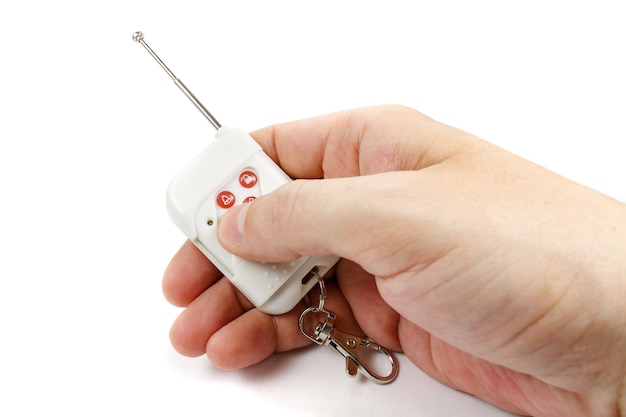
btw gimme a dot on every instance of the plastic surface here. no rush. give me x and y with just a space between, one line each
230 171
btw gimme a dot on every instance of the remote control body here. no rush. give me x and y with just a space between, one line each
234 170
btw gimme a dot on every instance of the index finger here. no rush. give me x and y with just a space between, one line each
361 141
298 146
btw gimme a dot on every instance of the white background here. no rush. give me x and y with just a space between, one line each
91 131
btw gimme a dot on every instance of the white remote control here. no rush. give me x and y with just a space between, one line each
234 170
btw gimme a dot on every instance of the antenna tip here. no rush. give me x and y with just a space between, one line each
138 36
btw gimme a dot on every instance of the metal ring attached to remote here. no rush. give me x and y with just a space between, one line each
325 333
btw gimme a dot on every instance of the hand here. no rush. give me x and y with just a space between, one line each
492 274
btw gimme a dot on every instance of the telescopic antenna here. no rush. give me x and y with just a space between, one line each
138 37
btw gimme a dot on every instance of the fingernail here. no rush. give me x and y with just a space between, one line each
231 225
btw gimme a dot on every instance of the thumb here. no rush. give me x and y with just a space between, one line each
292 221
363 219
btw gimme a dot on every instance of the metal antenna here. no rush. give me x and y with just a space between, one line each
138 37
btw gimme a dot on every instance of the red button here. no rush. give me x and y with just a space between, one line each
225 199
249 199
247 179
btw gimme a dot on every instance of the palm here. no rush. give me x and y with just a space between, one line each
498 385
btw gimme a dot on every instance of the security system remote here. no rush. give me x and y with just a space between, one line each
234 170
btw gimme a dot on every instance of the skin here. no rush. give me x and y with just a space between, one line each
492 274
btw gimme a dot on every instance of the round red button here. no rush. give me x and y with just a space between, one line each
249 199
225 199
247 179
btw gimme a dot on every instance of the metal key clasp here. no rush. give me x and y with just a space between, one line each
347 345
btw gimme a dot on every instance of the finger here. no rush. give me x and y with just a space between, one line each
253 337
188 274
230 347
301 147
348 217
377 319
358 142
213 309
